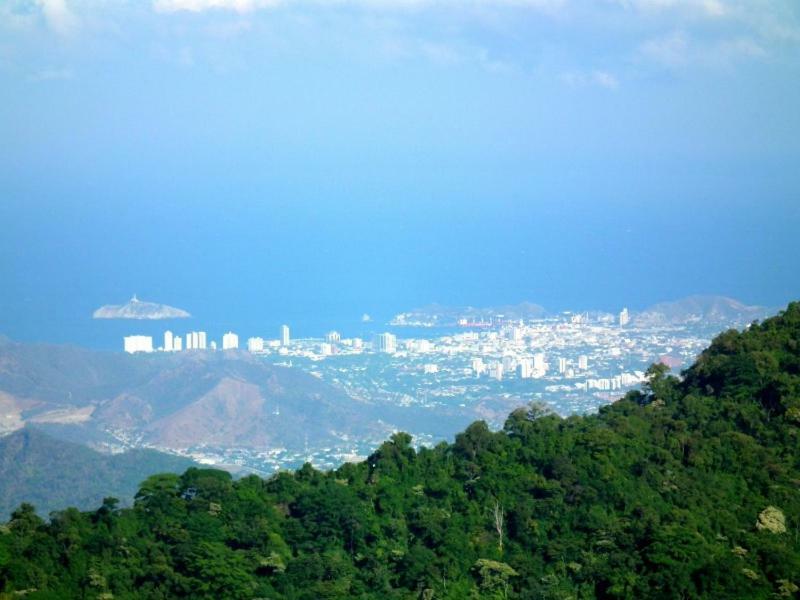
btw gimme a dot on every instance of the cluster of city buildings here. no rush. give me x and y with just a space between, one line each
575 363
198 340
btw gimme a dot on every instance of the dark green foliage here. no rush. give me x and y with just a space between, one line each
657 496
52 473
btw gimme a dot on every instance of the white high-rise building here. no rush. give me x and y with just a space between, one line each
196 340
421 346
326 349
583 362
538 363
138 343
177 343
255 344
624 317
562 365
230 341
168 341
285 335
385 342
478 367
332 337
525 368
496 370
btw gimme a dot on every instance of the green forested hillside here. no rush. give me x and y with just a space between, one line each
53 473
687 489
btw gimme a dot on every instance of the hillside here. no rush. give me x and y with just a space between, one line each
51 473
175 400
709 310
686 489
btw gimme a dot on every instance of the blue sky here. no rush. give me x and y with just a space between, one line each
256 159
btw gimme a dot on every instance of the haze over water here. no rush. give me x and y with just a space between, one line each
306 163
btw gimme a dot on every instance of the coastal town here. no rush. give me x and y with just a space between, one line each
433 381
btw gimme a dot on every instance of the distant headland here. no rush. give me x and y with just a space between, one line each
139 309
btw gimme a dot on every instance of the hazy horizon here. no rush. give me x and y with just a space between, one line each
307 162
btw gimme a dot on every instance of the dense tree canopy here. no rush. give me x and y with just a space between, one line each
689 488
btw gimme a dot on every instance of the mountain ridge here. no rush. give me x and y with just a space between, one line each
707 309
164 397
38 468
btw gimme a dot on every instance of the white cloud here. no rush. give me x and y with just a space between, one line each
709 8
243 6
598 78
240 6
52 75
671 50
678 50
444 54
58 16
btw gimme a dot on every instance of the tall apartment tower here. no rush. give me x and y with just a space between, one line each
624 317
168 341
230 341
385 342
138 343
285 335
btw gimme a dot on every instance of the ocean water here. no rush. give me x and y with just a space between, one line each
320 260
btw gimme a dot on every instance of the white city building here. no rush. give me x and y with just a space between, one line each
255 344
168 341
230 341
496 370
624 317
193 340
583 362
525 368
138 343
196 340
285 335
385 342
478 367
